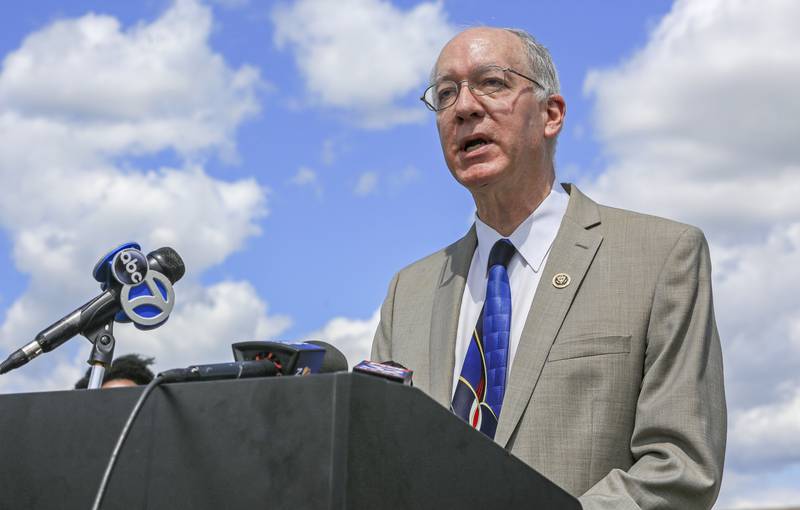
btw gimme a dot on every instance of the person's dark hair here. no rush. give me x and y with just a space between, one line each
130 366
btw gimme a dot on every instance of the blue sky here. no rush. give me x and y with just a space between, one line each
281 148
415 206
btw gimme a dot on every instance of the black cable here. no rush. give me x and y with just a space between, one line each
112 461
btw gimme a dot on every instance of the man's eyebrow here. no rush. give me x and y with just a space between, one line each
476 69
439 77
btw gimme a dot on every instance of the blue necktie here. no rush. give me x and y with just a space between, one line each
479 393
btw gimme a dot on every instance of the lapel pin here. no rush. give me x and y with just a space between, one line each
561 280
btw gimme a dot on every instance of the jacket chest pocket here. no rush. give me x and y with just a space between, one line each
589 346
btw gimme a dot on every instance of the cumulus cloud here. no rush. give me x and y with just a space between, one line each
141 89
329 151
207 320
231 4
695 115
766 432
367 184
76 96
364 56
351 336
699 126
306 177
405 177
751 492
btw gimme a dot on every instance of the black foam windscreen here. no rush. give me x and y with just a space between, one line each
334 360
167 262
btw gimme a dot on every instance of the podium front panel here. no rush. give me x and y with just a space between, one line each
320 442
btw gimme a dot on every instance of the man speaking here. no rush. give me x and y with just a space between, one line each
579 337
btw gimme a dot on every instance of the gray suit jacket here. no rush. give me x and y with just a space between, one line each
616 390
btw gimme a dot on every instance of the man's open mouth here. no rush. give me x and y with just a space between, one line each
472 145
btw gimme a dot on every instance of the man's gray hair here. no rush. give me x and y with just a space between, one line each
540 63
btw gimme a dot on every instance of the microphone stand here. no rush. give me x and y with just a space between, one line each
102 354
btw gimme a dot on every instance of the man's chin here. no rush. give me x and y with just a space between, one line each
478 177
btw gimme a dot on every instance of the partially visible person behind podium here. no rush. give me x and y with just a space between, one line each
128 370
578 336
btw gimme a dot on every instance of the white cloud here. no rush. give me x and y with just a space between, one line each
766 432
405 177
367 184
364 55
62 373
749 491
704 114
74 97
351 336
699 126
88 82
231 4
206 322
329 151
776 499
306 177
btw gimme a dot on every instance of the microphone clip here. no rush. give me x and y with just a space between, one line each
103 344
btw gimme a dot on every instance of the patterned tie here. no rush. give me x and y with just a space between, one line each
479 393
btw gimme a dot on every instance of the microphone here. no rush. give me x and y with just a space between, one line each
217 371
389 370
266 359
163 263
294 358
333 361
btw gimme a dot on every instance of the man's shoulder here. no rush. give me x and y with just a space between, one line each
615 218
618 222
650 234
641 240
651 240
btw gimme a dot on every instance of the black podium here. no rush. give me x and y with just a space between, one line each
339 441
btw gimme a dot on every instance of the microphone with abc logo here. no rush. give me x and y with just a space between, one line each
136 288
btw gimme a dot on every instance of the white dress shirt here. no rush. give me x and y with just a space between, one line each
532 239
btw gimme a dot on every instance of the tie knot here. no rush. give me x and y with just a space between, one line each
501 253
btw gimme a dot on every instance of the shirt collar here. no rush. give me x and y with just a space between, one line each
533 237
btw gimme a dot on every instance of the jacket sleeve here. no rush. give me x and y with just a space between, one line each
382 342
678 440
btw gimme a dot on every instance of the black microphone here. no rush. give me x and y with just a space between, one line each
93 314
334 360
266 359
294 358
217 371
389 370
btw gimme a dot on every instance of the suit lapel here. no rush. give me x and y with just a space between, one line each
572 253
444 319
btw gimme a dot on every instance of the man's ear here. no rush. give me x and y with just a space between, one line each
556 110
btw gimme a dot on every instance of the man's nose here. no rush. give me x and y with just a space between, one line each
467 104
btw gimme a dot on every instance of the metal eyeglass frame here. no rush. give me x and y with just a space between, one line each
472 88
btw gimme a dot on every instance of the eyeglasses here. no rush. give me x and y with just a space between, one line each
484 81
